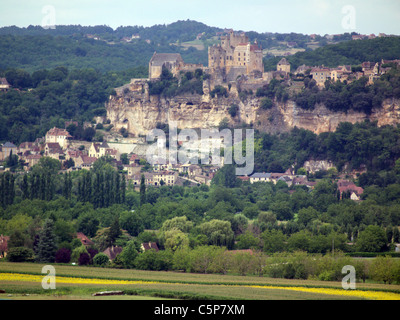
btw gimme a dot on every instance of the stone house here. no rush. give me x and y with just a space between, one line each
33 159
172 61
53 150
320 75
4 85
7 148
346 186
283 65
260 177
112 252
98 150
60 136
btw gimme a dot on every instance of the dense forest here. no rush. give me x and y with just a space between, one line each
35 48
49 97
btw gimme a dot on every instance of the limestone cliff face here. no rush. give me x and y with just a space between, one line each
132 108
139 113
323 120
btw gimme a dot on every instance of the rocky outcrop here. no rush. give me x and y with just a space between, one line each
134 109
320 119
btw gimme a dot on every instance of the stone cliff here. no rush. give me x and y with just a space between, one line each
134 109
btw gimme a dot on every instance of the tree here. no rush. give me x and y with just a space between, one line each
274 241
100 260
129 254
218 232
46 249
142 191
175 239
226 177
114 232
383 269
233 110
306 215
266 103
372 239
20 254
396 235
131 222
247 240
63 255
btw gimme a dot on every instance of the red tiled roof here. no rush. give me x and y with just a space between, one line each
58 132
84 239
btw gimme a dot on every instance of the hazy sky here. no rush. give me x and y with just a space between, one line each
302 16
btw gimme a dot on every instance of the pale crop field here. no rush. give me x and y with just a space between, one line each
24 281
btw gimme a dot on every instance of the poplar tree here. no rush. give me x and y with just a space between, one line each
142 191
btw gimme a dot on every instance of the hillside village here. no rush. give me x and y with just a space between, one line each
73 156
234 62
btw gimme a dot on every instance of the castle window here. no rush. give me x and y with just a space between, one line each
238 59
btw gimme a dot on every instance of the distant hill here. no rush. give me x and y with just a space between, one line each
105 49
98 47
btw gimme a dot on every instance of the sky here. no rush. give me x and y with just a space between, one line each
283 16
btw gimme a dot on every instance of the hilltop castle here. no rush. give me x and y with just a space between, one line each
235 56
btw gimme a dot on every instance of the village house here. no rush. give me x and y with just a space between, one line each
148 246
346 186
172 61
283 65
84 239
98 150
4 85
260 177
165 177
202 179
60 136
320 75
4 246
112 252
32 159
8 148
84 162
168 178
54 151
302 69
134 159
25 146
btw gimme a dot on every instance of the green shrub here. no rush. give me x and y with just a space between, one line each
266 103
100 260
20 254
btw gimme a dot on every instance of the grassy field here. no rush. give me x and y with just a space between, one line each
23 281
